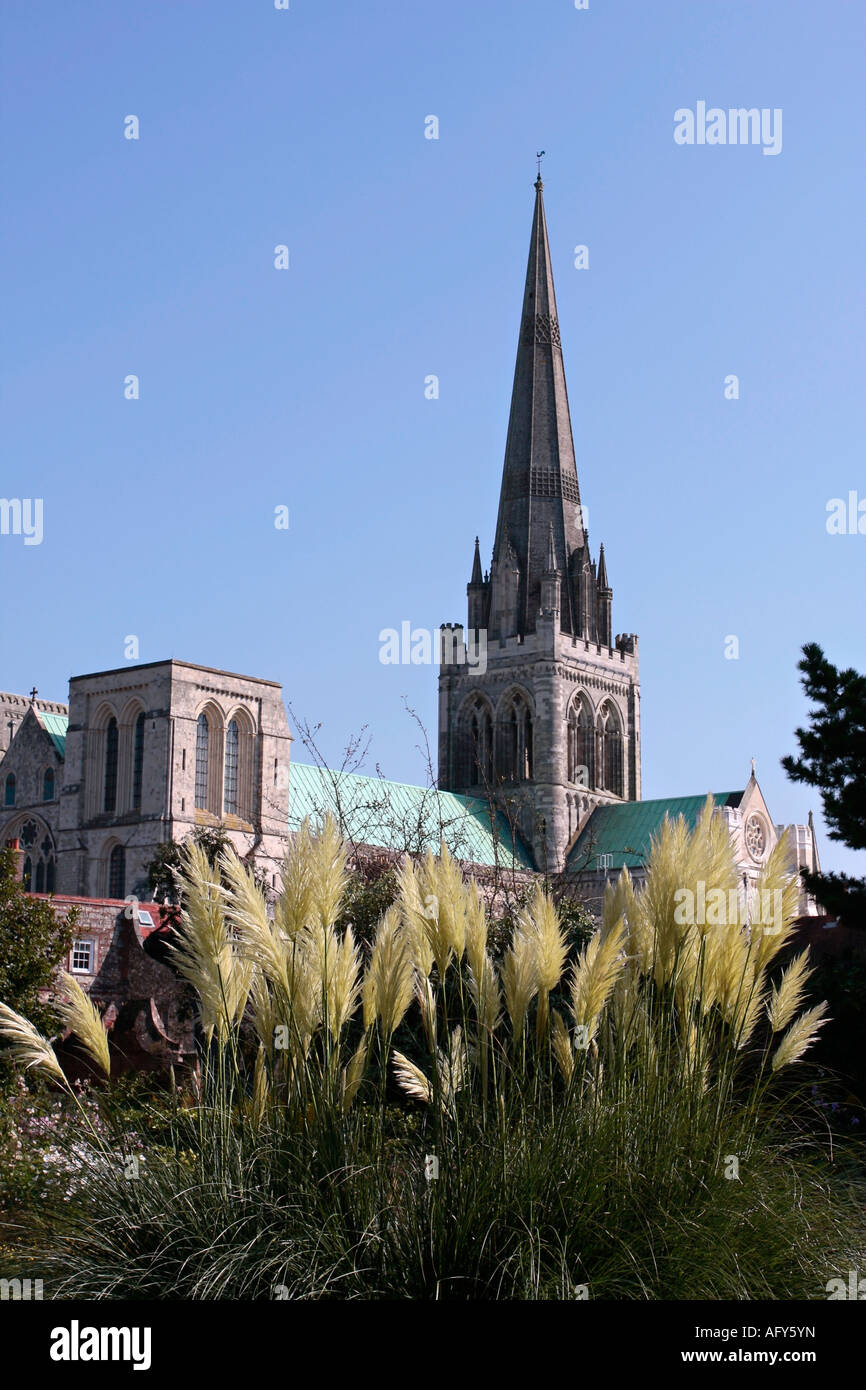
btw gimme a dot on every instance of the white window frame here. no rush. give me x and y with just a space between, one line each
91 947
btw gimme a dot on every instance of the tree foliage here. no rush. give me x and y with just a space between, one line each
33 942
833 759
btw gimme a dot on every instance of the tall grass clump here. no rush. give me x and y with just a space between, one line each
433 1120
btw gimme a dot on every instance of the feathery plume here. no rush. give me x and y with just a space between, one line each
293 910
353 1074
412 914
519 980
540 923
475 930
561 1043
800 1036
594 976
485 994
28 1047
327 864
204 954
344 983
411 1079
786 998
389 984
83 1019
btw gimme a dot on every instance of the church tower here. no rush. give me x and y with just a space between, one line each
539 706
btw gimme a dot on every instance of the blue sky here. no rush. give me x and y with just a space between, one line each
305 387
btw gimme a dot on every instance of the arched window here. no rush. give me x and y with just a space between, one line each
609 751
478 745
516 733
49 876
230 779
581 739
109 798
27 874
202 739
48 784
117 872
40 876
137 761
9 792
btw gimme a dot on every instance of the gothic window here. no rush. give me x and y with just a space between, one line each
609 762
581 740
109 799
516 759
202 739
9 793
48 784
230 780
137 761
117 872
38 869
478 745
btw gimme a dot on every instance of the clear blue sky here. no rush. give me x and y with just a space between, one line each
306 387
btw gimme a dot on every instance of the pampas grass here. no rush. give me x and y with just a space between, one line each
27 1047
586 1150
82 1018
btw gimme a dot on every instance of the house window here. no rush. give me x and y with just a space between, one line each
109 800
27 874
48 784
9 794
117 872
137 761
202 737
230 782
82 958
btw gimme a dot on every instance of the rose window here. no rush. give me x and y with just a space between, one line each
756 840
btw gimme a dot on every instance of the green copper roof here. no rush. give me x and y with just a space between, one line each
624 831
396 816
55 725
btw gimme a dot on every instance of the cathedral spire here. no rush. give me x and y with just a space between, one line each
539 478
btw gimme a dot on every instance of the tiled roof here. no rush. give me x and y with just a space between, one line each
624 830
55 725
397 816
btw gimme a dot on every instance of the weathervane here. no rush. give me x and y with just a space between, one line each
539 155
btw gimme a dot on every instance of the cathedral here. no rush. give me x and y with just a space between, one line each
539 745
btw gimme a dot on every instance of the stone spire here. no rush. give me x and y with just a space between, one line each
476 566
605 602
602 569
539 478
478 592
